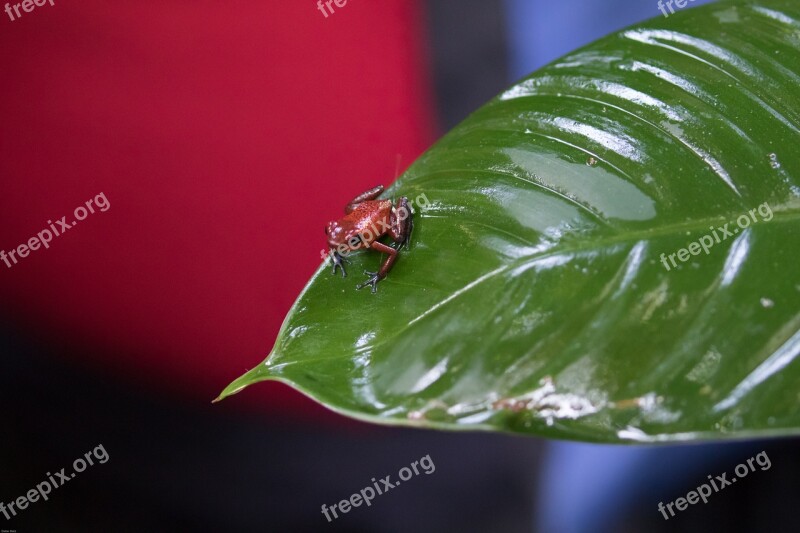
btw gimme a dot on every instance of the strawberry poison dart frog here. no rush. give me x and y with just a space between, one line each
366 220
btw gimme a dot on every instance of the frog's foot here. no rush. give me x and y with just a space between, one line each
337 259
374 278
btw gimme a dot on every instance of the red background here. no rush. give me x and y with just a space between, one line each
224 137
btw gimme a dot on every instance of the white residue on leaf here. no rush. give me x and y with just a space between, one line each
706 367
727 16
545 402
653 410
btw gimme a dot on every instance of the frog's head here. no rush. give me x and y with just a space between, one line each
336 234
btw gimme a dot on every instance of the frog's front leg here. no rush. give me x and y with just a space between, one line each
402 223
336 259
363 197
375 277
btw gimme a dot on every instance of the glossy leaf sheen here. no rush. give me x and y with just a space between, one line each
533 298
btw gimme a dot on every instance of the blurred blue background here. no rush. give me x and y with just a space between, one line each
540 31
585 487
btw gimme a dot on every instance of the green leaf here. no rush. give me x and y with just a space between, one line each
534 297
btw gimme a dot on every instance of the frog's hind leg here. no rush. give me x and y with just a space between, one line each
363 197
402 223
375 277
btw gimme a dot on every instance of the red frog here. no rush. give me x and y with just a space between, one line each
366 220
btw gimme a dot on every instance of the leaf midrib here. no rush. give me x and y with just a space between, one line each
631 236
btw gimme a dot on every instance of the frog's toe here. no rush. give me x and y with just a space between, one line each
344 274
338 261
373 280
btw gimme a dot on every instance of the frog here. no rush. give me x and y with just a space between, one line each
367 219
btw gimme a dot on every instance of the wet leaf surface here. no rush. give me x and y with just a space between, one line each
535 297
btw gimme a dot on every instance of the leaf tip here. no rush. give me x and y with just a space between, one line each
248 378
231 389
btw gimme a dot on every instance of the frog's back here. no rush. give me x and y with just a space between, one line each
368 215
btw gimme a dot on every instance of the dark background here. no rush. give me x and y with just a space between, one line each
224 136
